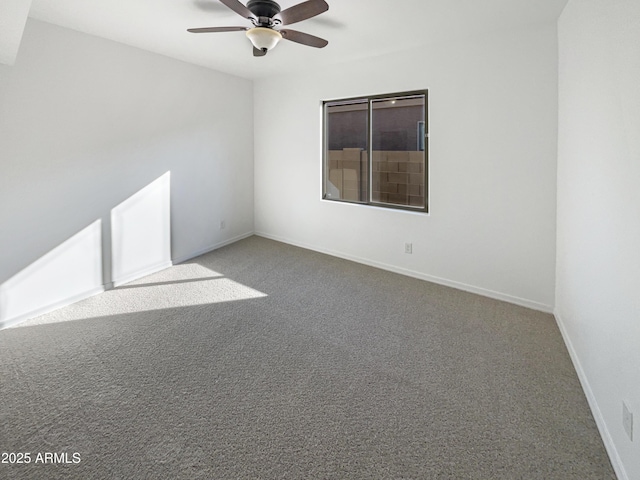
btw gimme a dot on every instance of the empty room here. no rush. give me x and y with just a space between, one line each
320 239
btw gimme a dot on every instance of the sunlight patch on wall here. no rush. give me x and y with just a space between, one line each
69 272
141 232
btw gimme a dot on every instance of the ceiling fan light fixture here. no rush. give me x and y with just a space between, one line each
264 38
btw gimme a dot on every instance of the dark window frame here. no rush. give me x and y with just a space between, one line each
369 100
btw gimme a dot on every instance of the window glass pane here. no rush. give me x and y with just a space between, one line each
398 151
346 168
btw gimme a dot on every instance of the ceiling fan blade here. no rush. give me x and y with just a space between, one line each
239 8
216 29
259 53
302 11
304 38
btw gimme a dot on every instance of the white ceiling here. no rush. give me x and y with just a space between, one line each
354 28
13 16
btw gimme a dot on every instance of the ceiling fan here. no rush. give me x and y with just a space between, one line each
265 15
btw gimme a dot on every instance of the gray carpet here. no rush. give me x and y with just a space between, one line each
263 360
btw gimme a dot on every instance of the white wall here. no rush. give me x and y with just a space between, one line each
493 147
598 244
85 123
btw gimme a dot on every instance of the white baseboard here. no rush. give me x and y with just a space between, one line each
610 447
51 307
210 248
523 302
141 273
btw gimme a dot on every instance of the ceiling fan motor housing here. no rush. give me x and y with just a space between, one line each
263 8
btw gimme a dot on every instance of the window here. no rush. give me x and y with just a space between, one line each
375 150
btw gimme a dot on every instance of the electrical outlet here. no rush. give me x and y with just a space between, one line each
627 420
223 225
408 248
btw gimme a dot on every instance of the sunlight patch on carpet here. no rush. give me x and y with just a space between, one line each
178 286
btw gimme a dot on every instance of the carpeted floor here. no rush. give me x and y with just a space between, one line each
263 360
